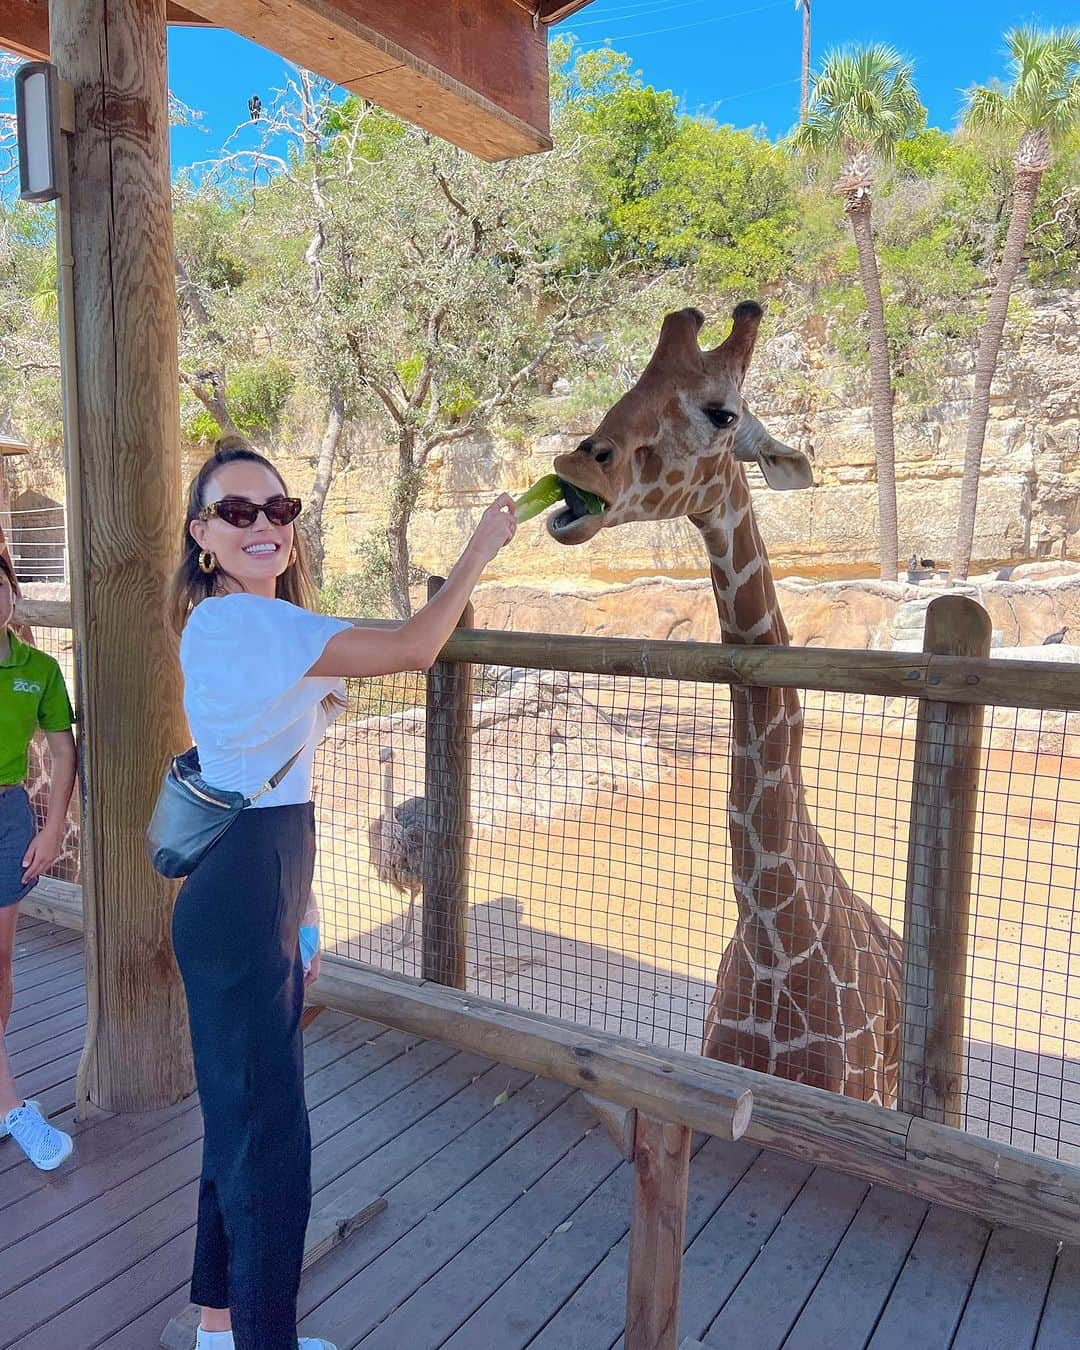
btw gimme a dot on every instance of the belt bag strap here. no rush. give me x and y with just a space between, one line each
272 783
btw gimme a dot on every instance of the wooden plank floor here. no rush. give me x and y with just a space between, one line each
507 1218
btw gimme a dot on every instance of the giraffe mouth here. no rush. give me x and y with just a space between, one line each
576 522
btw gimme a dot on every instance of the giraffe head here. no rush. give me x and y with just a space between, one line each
672 444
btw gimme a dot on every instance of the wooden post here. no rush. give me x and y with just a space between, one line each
122 433
446 836
944 791
657 1230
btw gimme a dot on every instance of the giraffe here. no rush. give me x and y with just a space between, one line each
808 987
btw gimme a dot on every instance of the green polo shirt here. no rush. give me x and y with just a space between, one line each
32 695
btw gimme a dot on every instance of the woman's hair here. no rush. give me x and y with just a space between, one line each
190 583
8 569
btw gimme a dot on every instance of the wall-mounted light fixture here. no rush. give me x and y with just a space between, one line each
37 107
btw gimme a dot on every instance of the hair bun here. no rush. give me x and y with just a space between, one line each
231 442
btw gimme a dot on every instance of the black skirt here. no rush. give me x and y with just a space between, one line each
235 934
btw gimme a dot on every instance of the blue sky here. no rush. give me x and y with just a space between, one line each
735 59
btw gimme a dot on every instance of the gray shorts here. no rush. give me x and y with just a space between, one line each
18 826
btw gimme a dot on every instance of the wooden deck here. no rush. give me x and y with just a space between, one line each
507 1218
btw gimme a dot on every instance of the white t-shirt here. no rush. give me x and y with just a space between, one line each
249 704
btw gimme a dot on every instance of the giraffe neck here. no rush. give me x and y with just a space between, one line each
765 800
739 565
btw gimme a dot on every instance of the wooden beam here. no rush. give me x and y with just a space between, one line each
953 679
123 476
327 1229
55 901
447 829
471 71
619 1123
670 1085
24 28
555 11
919 675
936 1162
941 844
657 1231
24 25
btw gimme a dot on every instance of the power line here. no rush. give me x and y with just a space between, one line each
681 27
638 11
761 89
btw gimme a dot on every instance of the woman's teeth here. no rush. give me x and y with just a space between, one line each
260 550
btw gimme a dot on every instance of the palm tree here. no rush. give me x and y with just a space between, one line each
1041 106
863 104
804 101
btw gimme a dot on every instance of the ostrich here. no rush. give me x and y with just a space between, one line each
396 842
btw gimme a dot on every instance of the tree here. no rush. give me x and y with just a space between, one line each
864 103
451 295
1042 105
230 282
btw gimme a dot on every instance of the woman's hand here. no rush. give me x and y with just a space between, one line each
43 852
497 527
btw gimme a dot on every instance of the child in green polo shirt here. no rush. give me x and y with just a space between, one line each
32 696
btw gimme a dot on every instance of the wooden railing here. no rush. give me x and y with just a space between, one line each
656 1097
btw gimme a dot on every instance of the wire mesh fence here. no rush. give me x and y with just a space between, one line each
604 885
606 868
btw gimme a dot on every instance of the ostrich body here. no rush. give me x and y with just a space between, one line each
396 843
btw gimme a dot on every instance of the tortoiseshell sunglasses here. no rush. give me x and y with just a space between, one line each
241 513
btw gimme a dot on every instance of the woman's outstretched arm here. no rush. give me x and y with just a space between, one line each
418 641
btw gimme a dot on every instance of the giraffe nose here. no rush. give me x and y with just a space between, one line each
600 452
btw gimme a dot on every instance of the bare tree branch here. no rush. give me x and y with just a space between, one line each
208 386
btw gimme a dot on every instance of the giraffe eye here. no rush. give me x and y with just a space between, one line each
719 417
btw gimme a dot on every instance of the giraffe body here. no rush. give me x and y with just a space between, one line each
808 988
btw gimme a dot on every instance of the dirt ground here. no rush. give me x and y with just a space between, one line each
615 910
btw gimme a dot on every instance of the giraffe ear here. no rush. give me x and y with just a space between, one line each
784 469
678 343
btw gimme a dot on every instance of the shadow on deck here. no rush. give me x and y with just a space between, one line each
507 1218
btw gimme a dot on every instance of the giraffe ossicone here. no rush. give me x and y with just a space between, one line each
808 987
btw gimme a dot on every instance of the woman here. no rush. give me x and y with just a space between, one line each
32 697
262 677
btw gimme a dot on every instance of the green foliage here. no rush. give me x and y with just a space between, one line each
255 395
439 279
862 100
925 154
1044 95
719 200
204 234
364 592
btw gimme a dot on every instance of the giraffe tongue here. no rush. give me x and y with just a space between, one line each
578 503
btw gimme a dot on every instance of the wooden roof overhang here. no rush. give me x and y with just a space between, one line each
473 72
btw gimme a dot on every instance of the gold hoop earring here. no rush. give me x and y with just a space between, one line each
207 562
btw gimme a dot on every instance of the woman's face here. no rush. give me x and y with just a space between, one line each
7 601
254 556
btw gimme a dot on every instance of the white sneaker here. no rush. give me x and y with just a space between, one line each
4 1131
223 1340
45 1146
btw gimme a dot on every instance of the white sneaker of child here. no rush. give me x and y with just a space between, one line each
4 1131
45 1146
